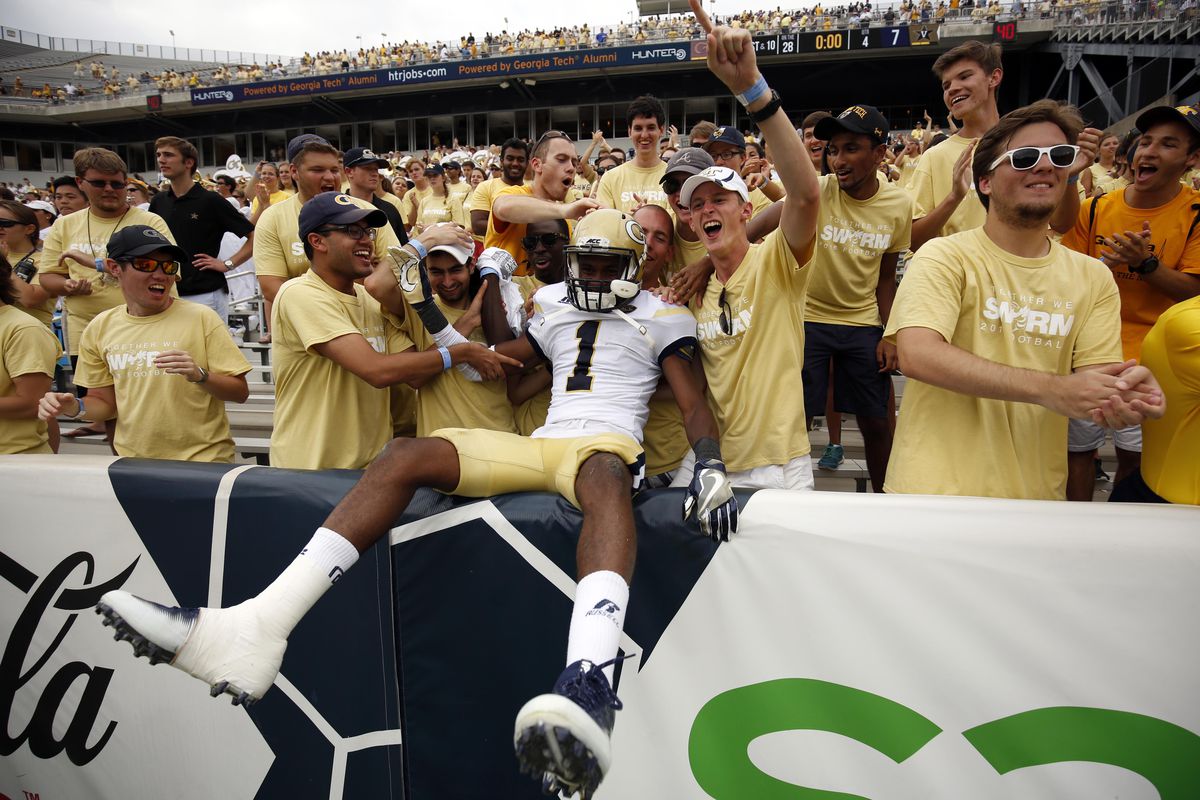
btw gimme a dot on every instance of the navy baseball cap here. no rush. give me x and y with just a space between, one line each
856 119
728 135
297 144
334 208
435 169
1188 115
361 156
140 240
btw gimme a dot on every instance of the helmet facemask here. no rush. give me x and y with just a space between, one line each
611 234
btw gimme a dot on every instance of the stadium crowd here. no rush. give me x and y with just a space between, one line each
109 83
526 317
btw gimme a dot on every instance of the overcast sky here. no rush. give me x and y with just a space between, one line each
290 28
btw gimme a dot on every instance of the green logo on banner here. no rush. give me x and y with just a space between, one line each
1166 755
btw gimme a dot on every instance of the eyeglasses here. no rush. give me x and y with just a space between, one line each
546 240
602 170
1023 158
355 232
105 184
151 264
672 185
726 318
726 155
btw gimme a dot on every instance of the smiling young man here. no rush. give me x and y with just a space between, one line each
514 158
863 226
944 196
362 174
1004 334
607 344
553 162
198 219
1149 236
336 352
750 319
646 118
164 367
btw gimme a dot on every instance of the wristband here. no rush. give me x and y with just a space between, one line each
1074 179
420 248
759 89
706 449
78 413
445 358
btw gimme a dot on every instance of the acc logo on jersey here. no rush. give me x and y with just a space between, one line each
634 231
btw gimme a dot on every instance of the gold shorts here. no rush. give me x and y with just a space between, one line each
495 462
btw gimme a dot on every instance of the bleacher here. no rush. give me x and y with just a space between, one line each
57 68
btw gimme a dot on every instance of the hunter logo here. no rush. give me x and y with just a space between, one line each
45 598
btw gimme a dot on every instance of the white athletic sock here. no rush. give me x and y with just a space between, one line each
332 552
596 621
297 589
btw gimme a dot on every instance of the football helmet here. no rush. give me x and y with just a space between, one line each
605 232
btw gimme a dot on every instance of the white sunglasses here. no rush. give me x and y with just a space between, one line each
1023 158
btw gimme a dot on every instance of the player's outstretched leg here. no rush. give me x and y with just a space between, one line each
563 738
238 650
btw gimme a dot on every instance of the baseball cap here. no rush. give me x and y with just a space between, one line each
42 205
361 156
450 163
724 177
728 135
139 240
856 119
435 168
297 144
334 208
1188 115
691 160
461 252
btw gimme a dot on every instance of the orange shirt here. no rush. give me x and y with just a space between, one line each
1141 303
508 235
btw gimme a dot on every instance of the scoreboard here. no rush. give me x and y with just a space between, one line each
787 44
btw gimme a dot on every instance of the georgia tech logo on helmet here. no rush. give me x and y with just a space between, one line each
344 200
634 231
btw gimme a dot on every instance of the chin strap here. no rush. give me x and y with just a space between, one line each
639 327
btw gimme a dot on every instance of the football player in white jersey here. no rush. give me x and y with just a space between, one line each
607 343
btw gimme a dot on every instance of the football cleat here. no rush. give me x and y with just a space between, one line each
230 649
563 738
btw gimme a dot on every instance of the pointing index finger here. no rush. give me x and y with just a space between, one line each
701 16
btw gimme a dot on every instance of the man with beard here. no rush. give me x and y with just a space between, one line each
514 157
1004 334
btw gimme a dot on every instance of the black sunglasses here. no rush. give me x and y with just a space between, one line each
546 240
726 318
8 223
104 184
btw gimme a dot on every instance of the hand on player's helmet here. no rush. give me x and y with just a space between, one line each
710 496
410 276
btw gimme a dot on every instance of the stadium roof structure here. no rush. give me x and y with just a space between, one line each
650 8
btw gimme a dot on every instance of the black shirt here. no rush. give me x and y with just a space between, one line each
393 215
198 220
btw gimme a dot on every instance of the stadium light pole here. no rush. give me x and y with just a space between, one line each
173 53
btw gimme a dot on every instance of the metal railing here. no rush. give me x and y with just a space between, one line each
136 50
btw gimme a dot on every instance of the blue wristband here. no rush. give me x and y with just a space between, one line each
80 412
759 89
420 248
1074 179
446 363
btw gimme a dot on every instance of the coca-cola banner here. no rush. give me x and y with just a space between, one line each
842 646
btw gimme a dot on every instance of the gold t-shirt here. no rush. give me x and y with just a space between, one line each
1171 445
162 415
71 232
852 237
753 372
619 185
450 400
931 182
26 348
326 417
412 200
1052 314
278 251
435 209
276 198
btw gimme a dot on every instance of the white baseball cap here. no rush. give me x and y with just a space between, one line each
724 177
42 205
461 252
